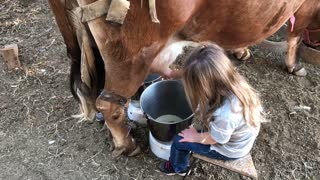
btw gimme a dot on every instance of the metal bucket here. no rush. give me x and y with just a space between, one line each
135 113
150 79
166 98
159 148
309 54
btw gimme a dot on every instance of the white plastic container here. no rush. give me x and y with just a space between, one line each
135 113
159 148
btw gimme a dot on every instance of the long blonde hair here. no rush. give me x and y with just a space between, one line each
209 76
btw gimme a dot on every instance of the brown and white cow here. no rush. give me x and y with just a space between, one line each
129 51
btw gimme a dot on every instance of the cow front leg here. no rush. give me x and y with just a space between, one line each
114 116
291 63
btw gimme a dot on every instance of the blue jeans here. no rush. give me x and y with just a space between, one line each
180 153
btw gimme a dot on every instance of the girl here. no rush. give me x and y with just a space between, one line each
225 103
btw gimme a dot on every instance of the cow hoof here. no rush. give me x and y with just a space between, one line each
117 152
243 54
302 72
299 71
135 151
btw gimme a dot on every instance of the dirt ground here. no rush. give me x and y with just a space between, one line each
40 140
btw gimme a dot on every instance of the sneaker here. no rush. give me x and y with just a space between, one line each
166 167
99 117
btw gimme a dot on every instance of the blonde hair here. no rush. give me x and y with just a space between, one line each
209 76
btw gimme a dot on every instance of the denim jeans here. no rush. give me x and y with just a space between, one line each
180 153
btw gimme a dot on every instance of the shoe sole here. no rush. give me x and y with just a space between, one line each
171 174
185 174
180 174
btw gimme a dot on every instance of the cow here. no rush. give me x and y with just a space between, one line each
307 19
131 50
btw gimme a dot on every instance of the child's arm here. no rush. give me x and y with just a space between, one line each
207 138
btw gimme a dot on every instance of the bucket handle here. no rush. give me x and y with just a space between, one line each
148 120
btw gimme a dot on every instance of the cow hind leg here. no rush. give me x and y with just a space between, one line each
80 91
292 66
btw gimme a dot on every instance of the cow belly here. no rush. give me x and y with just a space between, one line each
238 23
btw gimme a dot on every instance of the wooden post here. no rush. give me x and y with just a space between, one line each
10 55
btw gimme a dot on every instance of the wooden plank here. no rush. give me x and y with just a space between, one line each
118 11
244 166
10 55
95 10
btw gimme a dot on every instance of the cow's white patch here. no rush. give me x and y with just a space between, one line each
173 50
169 53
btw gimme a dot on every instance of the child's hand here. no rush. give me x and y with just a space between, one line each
190 135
